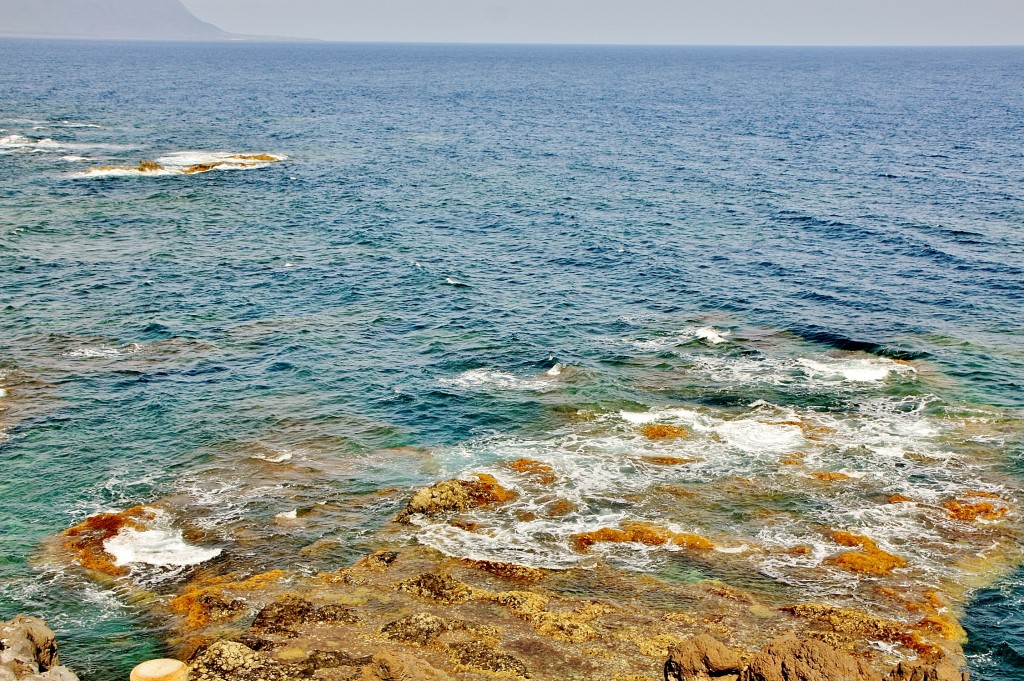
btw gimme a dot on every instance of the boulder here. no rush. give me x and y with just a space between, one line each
791 659
702 657
28 652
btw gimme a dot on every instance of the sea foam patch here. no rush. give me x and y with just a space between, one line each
158 544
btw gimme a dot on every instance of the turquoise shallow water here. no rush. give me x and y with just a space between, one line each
470 252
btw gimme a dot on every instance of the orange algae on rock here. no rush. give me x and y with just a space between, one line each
85 540
831 477
969 512
263 158
669 460
898 499
658 431
202 168
149 167
207 601
869 560
542 472
640 533
560 507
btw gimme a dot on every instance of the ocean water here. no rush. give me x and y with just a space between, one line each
358 269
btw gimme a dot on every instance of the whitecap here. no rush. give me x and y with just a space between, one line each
855 370
93 353
491 379
288 515
711 335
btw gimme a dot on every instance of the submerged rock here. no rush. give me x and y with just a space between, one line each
28 650
85 541
869 560
640 533
657 431
791 659
702 657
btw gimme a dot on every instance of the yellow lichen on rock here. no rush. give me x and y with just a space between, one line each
571 626
510 571
456 495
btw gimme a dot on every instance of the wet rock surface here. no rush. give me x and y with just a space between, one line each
28 652
413 613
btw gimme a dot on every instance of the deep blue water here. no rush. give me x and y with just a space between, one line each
451 209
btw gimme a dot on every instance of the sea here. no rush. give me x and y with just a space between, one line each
274 288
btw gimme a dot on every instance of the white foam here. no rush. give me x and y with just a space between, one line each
711 335
159 545
855 370
491 379
92 353
556 370
280 458
753 436
288 515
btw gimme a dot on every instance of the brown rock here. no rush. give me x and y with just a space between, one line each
285 614
440 588
701 657
456 495
791 659
941 670
387 666
478 655
419 629
509 571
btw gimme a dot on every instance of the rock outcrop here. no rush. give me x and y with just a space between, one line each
791 659
28 652
700 658
456 495
941 670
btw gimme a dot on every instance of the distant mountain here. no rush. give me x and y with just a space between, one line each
116 19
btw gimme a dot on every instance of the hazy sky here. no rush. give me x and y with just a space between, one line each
802 22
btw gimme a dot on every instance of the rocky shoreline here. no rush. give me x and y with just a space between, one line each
411 612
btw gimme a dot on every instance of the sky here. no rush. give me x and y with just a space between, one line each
701 22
